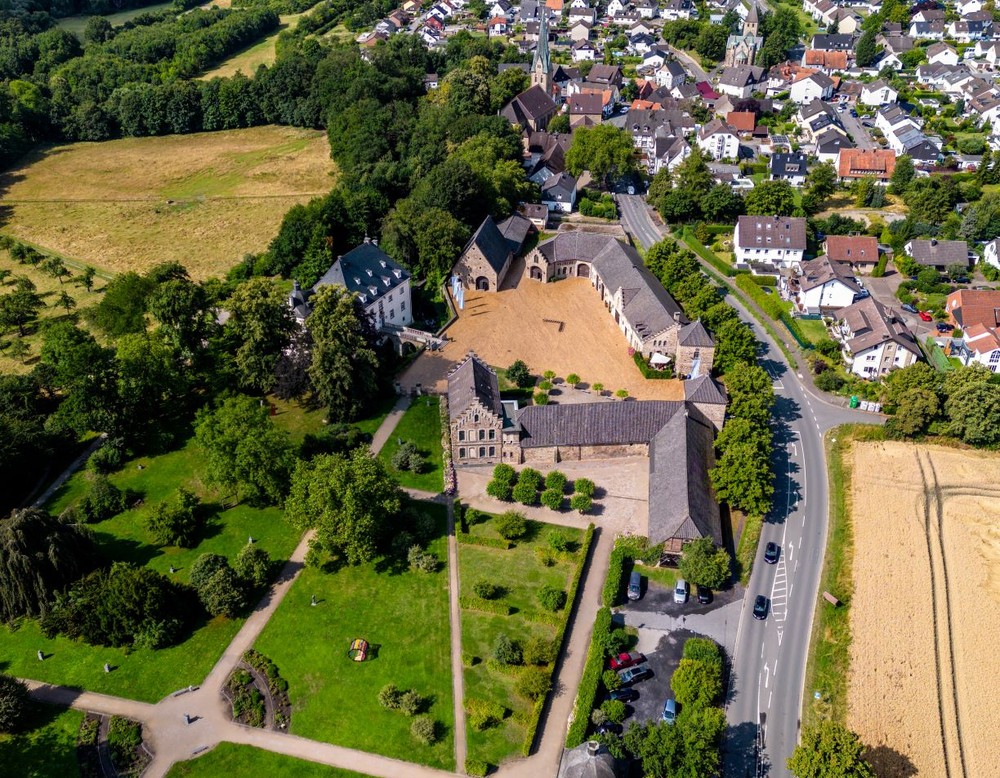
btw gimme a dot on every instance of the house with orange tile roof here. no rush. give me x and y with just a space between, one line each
858 163
858 251
742 121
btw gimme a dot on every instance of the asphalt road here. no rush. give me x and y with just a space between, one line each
862 138
765 693
690 64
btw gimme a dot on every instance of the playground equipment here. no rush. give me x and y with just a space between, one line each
358 650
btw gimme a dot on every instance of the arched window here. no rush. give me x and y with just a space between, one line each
475 419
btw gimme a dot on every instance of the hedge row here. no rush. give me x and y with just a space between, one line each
769 303
476 540
536 711
590 681
651 372
485 606
552 619
613 583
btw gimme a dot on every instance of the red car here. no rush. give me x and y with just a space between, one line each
622 661
924 316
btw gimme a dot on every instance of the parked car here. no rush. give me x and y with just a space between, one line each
704 595
963 280
943 327
925 316
759 608
771 553
854 113
909 308
634 585
610 728
681 591
624 695
670 711
635 674
622 661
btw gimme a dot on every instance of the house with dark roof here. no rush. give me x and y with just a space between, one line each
381 285
875 339
485 260
938 254
531 110
559 193
769 243
677 437
790 167
823 286
650 319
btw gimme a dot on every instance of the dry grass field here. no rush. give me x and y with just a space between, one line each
925 613
260 53
203 200
560 326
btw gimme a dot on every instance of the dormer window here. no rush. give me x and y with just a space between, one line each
373 290
369 273
382 262
397 273
357 280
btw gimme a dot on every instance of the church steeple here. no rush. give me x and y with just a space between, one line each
541 70
752 23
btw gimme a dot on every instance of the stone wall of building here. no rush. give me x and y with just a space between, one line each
686 356
472 265
474 434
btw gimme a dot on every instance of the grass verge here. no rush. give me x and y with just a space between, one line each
232 759
699 248
746 552
829 645
403 615
420 425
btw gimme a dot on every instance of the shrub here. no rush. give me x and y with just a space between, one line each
107 459
703 650
411 703
552 599
253 565
526 494
545 386
507 651
473 517
616 571
598 717
539 651
204 567
616 641
176 523
541 398
476 768
124 737
584 486
614 710
223 594
484 714
555 480
590 680
598 387
487 590
13 701
697 684
552 499
511 525
621 394
421 560
408 457
611 680
424 730
559 541
581 503
533 682
519 375
830 381
531 476
504 474
103 501
499 490
389 696
546 556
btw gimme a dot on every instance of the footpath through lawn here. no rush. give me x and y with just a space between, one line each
403 614
521 571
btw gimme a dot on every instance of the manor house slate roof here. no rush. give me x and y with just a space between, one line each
694 335
594 424
366 271
473 380
647 306
489 240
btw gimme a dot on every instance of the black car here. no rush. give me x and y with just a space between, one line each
609 727
760 607
943 327
623 695
704 595
771 553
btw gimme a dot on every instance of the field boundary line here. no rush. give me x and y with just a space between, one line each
164 200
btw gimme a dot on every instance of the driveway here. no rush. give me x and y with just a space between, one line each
884 290
862 139
663 658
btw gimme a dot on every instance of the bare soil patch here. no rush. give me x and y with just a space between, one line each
561 326
925 612
203 200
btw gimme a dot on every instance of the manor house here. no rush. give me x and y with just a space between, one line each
677 437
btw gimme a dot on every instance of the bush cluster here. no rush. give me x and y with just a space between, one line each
484 714
102 501
511 525
421 560
552 599
507 651
408 457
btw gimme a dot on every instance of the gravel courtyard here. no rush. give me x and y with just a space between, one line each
560 326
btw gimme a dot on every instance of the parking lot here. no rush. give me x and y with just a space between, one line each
663 627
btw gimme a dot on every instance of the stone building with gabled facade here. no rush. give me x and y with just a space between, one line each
676 436
484 261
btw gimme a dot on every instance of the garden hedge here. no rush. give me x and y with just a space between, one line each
613 583
476 540
485 606
590 681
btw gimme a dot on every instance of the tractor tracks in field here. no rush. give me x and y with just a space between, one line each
944 648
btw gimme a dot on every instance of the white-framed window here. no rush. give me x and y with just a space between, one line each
461 453
461 435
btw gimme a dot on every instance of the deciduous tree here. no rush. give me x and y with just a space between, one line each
605 150
260 326
704 564
829 750
770 198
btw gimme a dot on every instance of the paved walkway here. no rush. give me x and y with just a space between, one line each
455 619
65 475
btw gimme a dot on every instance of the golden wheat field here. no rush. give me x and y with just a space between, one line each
925 613
204 199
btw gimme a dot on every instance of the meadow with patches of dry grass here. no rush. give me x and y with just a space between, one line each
204 200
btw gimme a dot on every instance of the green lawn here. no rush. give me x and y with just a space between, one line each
519 571
76 24
144 674
404 616
235 760
421 425
298 420
813 329
47 748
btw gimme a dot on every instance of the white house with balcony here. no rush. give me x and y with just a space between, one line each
875 339
768 244
719 140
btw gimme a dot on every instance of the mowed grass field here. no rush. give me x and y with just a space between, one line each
232 759
421 426
256 54
44 747
204 200
76 24
404 617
